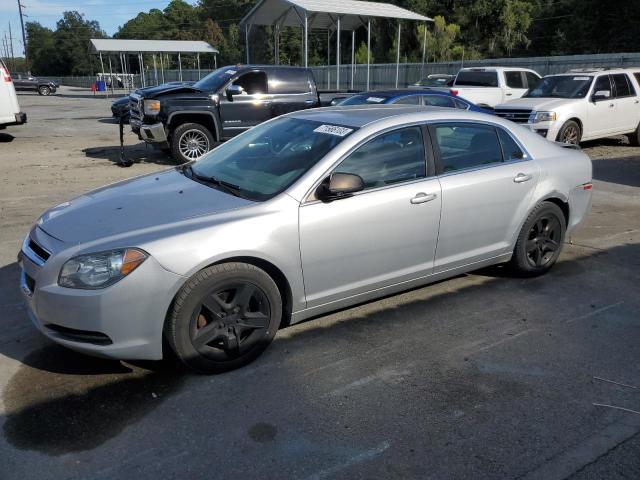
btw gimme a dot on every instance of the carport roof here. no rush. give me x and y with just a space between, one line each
104 45
323 13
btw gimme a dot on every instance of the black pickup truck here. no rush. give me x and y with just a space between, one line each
190 119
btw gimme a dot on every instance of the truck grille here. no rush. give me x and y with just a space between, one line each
135 107
518 116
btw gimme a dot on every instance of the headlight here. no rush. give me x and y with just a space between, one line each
544 117
151 107
99 270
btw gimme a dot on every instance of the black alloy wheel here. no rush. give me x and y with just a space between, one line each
544 240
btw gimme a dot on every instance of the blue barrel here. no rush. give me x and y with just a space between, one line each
101 85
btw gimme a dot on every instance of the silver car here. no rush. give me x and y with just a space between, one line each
305 214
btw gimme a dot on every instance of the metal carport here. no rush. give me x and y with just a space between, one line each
329 15
139 47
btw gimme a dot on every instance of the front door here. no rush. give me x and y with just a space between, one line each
487 182
248 109
383 235
601 114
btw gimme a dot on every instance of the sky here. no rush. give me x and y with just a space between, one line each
110 14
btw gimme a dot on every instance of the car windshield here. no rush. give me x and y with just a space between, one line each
367 99
563 86
267 159
473 78
434 82
216 79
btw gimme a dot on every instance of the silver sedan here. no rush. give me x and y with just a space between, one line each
305 214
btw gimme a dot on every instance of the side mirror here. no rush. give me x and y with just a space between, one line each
340 185
234 90
601 95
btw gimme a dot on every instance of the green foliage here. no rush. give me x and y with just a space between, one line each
361 54
441 38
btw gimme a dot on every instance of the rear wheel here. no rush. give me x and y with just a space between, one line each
44 91
224 317
540 240
190 141
570 133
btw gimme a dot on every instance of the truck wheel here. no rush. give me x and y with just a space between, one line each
634 138
224 317
190 141
44 91
570 133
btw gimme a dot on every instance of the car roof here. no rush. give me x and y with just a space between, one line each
402 92
592 73
358 116
494 69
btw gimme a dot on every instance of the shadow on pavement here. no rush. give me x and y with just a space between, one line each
140 153
623 170
6 137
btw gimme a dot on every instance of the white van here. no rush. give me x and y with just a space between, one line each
10 113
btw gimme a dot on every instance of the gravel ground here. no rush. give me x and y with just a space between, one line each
482 376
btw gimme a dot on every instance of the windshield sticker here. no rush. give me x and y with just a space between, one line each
230 72
334 130
375 99
581 79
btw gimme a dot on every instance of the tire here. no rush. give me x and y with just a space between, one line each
634 138
570 133
540 241
190 141
44 91
212 329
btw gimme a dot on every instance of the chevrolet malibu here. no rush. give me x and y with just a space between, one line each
305 214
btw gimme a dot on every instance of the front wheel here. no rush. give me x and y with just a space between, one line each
540 240
570 133
224 317
190 141
44 91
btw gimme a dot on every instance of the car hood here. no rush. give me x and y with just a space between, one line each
134 205
539 103
160 90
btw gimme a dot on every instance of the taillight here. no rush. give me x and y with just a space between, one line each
587 186
453 92
5 75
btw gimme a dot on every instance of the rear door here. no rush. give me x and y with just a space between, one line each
291 89
627 103
487 182
254 106
515 84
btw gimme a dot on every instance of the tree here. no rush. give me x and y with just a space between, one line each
441 38
361 54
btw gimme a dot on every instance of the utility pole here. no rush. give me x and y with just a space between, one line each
13 60
24 37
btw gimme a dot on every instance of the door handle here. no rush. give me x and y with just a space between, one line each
522 177
423 198
611 105
309 102
508 94
266 102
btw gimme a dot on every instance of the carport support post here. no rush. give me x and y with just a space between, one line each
198 57
306 40
398 57
338 54
111 74
424 50
246 41
155 69
353 56
180 65
328 57
368 50
162 67
215 61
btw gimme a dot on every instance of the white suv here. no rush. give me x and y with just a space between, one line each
577 106
10 113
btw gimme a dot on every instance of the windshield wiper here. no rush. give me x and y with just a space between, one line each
228 187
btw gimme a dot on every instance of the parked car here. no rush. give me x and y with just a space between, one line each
10 113
25 82
490 86
191 119
307 213
434 80
120 107
573 107
412 97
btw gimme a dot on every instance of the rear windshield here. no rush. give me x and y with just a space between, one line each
477 79
372 99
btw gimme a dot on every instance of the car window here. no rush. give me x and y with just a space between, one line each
510 149
532 79
438 101
472 78
253 82
289 81
390 158
460 104
637 75
464 146
602 83
407 100
622 85
514 79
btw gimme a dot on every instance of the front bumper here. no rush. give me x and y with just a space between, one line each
123 321
549 130
150 133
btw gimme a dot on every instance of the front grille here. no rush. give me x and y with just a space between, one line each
518 116
85 336
38 250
